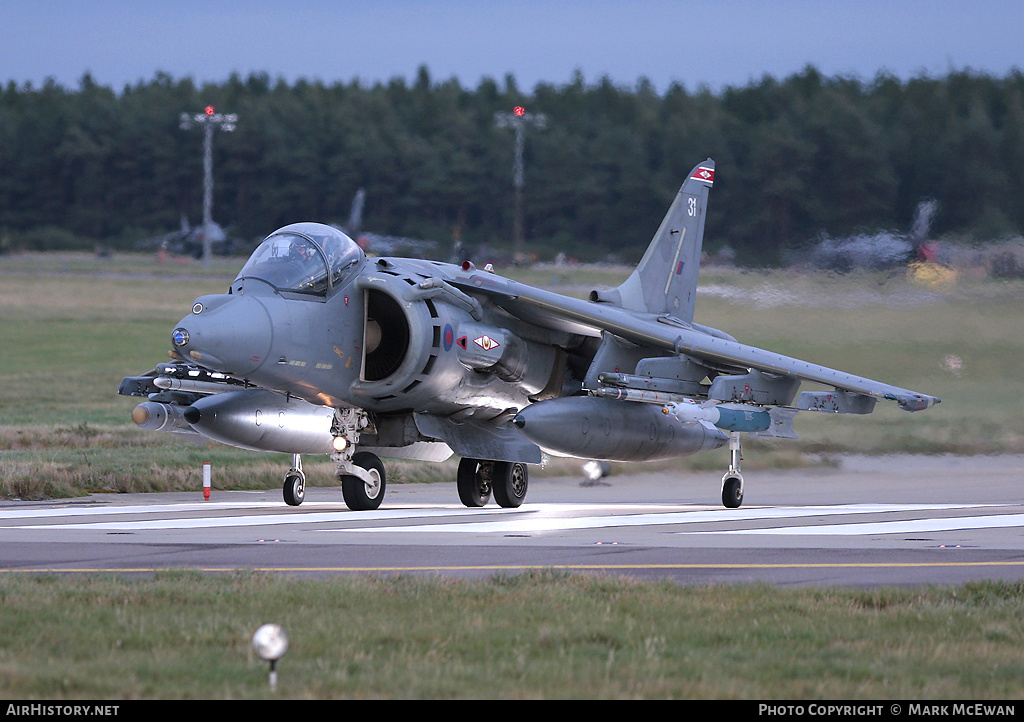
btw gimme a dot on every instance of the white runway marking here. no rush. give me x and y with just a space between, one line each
995 521
534 518
73 510
285 516
542 520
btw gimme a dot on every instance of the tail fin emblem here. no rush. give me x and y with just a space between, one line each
704 174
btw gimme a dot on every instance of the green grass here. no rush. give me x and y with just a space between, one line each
535 635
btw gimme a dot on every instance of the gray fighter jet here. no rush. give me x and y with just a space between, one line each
317 349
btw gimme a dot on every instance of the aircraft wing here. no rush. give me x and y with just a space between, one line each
665 333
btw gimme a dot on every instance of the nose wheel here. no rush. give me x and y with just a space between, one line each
366 491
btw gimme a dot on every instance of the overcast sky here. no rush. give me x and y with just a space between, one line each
707 42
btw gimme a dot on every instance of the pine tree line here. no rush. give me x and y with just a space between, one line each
796 158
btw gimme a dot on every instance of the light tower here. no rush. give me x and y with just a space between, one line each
518 120
208 120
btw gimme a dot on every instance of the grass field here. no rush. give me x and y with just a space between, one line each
538 635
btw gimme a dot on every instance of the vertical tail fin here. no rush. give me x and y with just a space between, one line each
666 279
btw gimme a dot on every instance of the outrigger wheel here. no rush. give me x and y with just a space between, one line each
294 488
732 490
295 483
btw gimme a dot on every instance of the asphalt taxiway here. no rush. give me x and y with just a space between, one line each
869 521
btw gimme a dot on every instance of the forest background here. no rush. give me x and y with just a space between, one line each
797 158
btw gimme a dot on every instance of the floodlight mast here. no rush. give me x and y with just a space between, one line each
209 120
518 120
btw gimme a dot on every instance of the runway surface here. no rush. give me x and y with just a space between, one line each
871 521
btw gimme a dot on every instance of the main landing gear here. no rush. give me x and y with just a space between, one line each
506 480
732 482
363 482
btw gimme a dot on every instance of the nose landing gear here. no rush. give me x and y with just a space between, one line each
363 489
363 482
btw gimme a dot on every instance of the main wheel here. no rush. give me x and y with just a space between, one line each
508 482
732 491
474 482
294 488
360 496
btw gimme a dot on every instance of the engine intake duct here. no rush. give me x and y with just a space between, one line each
386 336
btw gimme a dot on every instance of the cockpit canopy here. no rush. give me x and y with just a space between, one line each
303 258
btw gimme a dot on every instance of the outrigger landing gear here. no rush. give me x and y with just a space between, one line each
477 479
295 483
732 482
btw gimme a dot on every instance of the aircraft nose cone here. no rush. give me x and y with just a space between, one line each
232 334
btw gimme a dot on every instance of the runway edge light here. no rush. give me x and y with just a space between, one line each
270 642
206 480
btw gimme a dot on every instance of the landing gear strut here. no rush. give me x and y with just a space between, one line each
361 473
732 482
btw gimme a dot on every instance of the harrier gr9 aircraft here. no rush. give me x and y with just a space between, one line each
317 349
